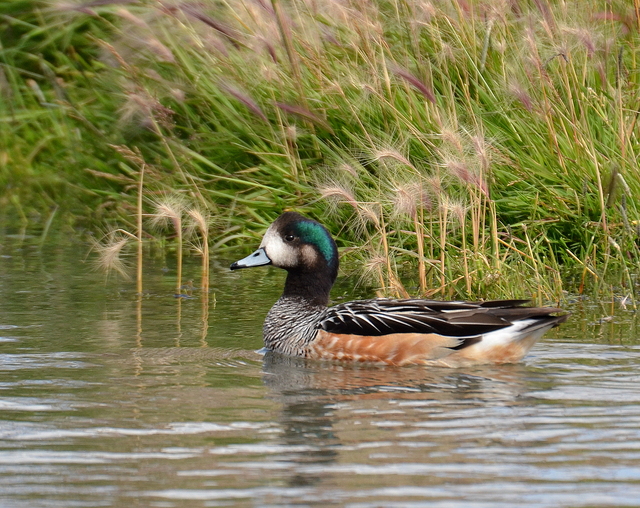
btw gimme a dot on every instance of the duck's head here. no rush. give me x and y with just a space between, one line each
305 249
297 244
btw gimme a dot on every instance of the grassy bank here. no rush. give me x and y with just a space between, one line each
456 148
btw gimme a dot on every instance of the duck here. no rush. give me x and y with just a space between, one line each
381 330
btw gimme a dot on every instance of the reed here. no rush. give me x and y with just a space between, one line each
200 221
169 213
136 158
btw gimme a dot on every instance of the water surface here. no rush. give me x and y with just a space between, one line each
109 400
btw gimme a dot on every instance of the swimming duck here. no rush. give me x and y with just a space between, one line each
381 330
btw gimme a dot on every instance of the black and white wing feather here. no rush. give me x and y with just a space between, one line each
456 319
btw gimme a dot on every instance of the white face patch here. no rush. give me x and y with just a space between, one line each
280 253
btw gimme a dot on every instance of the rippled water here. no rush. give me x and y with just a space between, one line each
105 401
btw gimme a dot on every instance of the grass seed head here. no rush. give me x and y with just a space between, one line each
458 209
199 219
347 168
481 151
140 106
338 193
467 174
368 213
522 96
127 15
425 90
109 253
373 264
245 99
391 154
451 139
409 197
169 211
158 49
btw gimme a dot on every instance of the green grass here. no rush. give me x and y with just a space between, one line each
461 149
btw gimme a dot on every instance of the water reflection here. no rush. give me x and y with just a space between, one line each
291 378
110 399
333 409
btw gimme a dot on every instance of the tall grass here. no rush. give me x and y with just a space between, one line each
486 148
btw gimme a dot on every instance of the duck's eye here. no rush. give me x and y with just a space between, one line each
289 238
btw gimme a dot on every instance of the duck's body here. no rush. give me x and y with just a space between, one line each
401 332
396 332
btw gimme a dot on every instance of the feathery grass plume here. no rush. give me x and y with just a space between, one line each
78 6
547 15
170 211
138 107
466 174
336 192
245 99
392 154
348 169
200 221
584 38
413 81
435 187
369 212
129 16
406 198
373 269
304 113
519 92
109 252
467 159
452 141
271 50
447 53
411 199
135 157
291 133
230 34
481 149
459 210
156 47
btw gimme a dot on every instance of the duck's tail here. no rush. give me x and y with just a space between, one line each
507 345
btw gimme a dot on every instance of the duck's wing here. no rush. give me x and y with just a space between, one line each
452 319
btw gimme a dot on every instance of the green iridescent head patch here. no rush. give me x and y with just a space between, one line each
316 234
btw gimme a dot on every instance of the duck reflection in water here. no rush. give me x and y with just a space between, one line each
329 408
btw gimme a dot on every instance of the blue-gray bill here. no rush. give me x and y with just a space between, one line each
258 258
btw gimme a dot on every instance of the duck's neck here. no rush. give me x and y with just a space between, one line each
311 286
